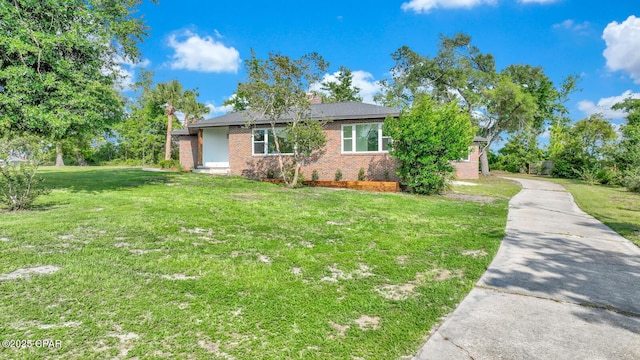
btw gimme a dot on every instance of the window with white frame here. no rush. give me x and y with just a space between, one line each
264 143
364 138
469 151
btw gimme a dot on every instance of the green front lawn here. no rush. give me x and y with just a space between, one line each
154 265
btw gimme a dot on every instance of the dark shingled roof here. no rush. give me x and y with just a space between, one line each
331 111
180 132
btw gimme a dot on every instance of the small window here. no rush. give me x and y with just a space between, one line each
259 141
347 138
469 151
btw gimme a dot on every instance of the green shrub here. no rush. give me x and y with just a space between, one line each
338 175
271 174
315 176
362 176
606 176
426 139
631 180
19 161
170 164
588 175
301 179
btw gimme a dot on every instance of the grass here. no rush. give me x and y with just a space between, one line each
614 206
189 266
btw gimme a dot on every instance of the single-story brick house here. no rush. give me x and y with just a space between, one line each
226 145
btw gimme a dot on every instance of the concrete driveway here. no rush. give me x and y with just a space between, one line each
562 286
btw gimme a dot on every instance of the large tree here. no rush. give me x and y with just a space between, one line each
516 98
170 95
628 155
58 65
192 109
589 142
276 90
141 136
174 99
342 89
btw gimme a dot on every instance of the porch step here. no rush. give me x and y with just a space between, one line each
213 170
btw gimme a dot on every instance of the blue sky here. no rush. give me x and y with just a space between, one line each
203 43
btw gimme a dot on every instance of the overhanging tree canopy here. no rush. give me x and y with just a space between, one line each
58 64
516 98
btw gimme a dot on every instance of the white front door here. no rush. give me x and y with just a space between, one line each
215 147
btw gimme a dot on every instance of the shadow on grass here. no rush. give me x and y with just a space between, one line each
101 179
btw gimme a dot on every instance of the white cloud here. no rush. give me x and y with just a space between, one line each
569 24
205 54
424 6
623 46
217 110
360 79
604 105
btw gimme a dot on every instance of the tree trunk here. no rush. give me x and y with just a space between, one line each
283 172
296 174
484 162
59 160
167 145
80 159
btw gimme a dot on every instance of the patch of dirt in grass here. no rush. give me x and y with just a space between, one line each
264 259
122 244
126 342
475 253
197 230
4 239
296 271
366 322
306 244
179 277
463 183
336 223
138 251
26 273
66 237
363 271
396 292
467 197
341 329
440 274
405 291
402 259
36 324
213 347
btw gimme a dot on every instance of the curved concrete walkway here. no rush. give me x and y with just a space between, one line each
562 286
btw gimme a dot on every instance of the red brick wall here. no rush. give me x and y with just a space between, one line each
378 166
188 150
469 169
